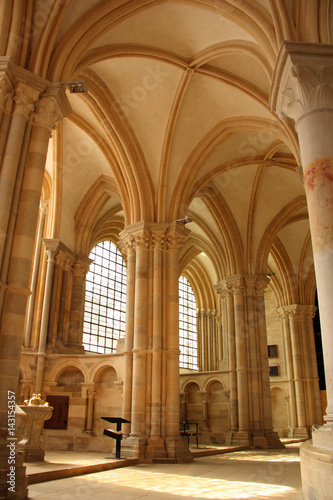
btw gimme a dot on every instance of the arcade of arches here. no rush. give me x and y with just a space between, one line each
200 144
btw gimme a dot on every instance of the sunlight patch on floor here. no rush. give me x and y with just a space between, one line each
183 486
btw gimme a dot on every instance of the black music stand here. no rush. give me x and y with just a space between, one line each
115 434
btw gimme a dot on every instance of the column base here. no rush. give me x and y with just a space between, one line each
170 450
178 451
317 464
238 438
155 450
267 440
257 439
299 432
134 447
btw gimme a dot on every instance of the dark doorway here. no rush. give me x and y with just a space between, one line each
59 417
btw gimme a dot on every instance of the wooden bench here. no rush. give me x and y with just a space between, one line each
190 429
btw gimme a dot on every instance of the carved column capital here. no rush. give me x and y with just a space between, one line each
297 312
153 236
251 285
176 234
51 107
303 80
64 260
51 247
25 98
81 266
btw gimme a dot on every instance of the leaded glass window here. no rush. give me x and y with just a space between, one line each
187 326
105 299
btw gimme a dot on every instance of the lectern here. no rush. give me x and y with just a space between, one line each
115 434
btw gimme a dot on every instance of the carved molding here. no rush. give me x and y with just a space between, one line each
51 247
297 312
153 236
302 80
81 266
25 98
311 88
248 285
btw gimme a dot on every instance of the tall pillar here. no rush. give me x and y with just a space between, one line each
151 385
34 274
250 406
301 368
25 98
90 396
51 107
74 340
51 247
208 338
302 89
205 401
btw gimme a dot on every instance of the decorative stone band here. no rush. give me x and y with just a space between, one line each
247 285
81 266
152 236
297 312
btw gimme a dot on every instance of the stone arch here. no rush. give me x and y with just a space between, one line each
279 401
108 398
71 378
97 371
193 407
218 411
58 368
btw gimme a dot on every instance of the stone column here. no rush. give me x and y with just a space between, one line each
302 89
183 401
51 107
176 235
34 275
151 385
60 300
80 269
129 333
51 247
208 351
205 400
90 395
25 98
301 367
250 407
289 370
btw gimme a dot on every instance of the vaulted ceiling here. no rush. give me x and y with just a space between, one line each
176 122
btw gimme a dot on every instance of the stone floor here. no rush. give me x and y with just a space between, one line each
250 474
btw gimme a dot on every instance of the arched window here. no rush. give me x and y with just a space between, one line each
187 326
105 300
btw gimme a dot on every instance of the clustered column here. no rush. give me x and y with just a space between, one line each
250 406
38 107
151 384
301 368
208 338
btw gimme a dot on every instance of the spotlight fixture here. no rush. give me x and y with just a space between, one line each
76 86
186 220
